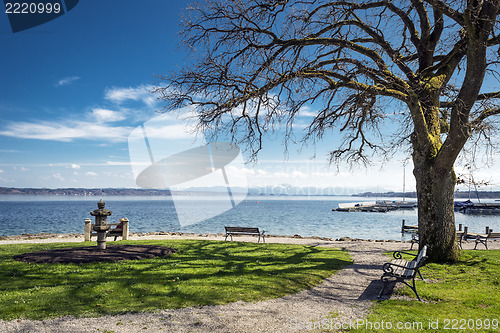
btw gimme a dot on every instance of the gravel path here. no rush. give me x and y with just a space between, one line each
344 297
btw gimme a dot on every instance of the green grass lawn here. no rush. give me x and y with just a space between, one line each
463 297
200 273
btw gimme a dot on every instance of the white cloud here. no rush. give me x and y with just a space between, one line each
66 131
306 111
91 173
141 93
67 81
58 176
75 166
170 132
1 171
22 169
96 124
104 115
117 163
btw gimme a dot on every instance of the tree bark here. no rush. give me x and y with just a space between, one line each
436 217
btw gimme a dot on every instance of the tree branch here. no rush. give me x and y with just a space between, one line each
448 11
484 115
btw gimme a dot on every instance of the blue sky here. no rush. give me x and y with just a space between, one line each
73 89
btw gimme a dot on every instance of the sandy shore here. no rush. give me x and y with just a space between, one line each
348 294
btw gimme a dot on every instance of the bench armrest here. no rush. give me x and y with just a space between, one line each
389 267
398 254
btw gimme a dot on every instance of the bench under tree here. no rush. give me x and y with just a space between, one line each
402 270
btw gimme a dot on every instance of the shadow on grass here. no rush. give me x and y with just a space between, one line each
200 273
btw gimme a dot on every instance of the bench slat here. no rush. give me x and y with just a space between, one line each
242 229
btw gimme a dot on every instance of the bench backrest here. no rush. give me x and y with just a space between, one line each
117 230
494 235
242 229
421 256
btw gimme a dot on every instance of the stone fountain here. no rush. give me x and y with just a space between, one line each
101 224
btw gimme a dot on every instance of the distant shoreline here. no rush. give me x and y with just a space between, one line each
413 195
96 192
82 191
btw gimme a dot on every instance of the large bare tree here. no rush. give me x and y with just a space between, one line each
257 63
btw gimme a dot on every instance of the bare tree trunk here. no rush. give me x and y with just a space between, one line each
436 217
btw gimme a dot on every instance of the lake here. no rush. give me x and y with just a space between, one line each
306 216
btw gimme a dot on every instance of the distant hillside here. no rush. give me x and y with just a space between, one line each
279 190
81 191
458 195
275 190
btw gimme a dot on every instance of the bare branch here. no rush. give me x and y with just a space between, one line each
447 10
260 62
485 114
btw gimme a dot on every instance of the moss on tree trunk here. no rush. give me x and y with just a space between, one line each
436 217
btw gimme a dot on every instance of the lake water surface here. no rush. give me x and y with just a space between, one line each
306 216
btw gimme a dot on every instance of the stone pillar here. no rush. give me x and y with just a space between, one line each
88 229
101 225
125 228
101 240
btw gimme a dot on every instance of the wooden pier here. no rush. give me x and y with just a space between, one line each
382 206
408 228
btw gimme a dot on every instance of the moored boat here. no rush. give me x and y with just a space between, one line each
481 209
381 206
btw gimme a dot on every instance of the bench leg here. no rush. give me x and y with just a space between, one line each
414 288
483 242
420 274
385 281
411 286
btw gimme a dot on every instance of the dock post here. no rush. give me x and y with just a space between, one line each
460 227
403 226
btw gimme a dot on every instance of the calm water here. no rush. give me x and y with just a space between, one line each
305 216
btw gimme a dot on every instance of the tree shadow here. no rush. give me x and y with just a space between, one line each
199 273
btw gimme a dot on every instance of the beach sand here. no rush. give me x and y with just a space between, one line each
348 294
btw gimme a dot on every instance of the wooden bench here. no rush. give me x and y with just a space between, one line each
230 231
414 240
478 238
483 239
459 236
467 236
120 229
402 270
